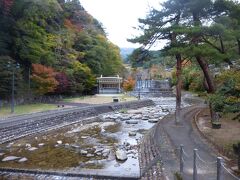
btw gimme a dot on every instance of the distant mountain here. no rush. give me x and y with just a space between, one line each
125 52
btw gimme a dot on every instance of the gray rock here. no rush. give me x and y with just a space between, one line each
165 110
1 154
153 120
23 160
32 149
137 116
145 117
98 150
41 144
28 145
67 145
132 133
125 143
74 146
83 152
121 155
132 122
90 155
125 118
113 117
106 152
10 158
59 142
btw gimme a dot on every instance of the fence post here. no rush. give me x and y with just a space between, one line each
195 164
219 168
181 158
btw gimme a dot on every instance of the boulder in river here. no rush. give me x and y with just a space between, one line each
22 160
32 149
132 133
106 152
90 155
132 122
121 155
41 144
28 145
59 142
83 152
153 120
10 158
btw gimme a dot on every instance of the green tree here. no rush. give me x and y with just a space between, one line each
227 97
81 79
7 66
57 34
36 28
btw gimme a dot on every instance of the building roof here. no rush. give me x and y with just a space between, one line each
109 79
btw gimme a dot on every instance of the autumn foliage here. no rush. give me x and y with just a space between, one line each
43 79
63 83
129 84
7 4
75 27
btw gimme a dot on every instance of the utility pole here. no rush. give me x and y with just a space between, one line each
13 67
139 85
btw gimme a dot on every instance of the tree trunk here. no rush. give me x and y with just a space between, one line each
238 41
210 84
178 88
205 84
178 74
227 60
204 66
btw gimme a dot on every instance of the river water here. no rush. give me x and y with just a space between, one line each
89 148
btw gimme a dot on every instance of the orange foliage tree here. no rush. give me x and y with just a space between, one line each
129 84
43 79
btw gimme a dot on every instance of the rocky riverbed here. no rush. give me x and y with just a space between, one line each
107 144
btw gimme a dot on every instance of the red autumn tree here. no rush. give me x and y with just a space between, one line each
43 79
6 4
63 83
129 84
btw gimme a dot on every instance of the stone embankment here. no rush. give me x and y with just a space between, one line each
17 127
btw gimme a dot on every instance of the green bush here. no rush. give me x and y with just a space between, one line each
227 96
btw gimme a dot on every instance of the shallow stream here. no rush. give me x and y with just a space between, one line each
89 148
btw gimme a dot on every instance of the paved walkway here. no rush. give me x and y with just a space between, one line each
187 135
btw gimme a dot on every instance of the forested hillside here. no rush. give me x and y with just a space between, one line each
59 47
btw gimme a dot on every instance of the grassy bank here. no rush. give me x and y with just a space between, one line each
25 109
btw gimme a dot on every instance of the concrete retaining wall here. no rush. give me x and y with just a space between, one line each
32 124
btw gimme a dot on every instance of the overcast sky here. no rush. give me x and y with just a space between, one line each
119 17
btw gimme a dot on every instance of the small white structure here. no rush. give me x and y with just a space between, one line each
109 85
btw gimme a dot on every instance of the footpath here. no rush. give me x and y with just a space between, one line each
160 150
